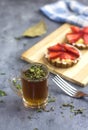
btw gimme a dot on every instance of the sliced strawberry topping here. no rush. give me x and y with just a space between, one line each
57 47
85 29
73 37
66 55
72 50
66 52
54 55
75 29
78 33
85 38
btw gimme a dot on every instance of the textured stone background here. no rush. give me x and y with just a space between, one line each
15 17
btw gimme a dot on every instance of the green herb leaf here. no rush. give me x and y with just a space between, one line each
68 105
17 85
51 99
36 30
39 110
2 93
78 111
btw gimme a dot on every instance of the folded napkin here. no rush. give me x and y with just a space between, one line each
70 11
77 7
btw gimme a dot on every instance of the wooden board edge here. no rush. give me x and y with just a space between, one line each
71 80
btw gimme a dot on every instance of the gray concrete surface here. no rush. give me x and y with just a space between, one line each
15 17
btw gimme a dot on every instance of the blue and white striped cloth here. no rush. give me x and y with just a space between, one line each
70 11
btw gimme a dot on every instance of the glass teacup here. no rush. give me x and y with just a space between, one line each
34 90
34 85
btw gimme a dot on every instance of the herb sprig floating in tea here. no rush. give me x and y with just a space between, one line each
35 72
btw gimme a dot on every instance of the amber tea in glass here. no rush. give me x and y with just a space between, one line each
35 85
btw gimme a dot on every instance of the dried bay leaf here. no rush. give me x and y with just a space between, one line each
36 30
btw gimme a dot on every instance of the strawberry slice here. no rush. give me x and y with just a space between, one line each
85 29
66 55
57 47
73 57
54 55
72 50
75 29
85 37
73 37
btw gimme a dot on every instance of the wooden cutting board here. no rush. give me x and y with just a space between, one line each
77 74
